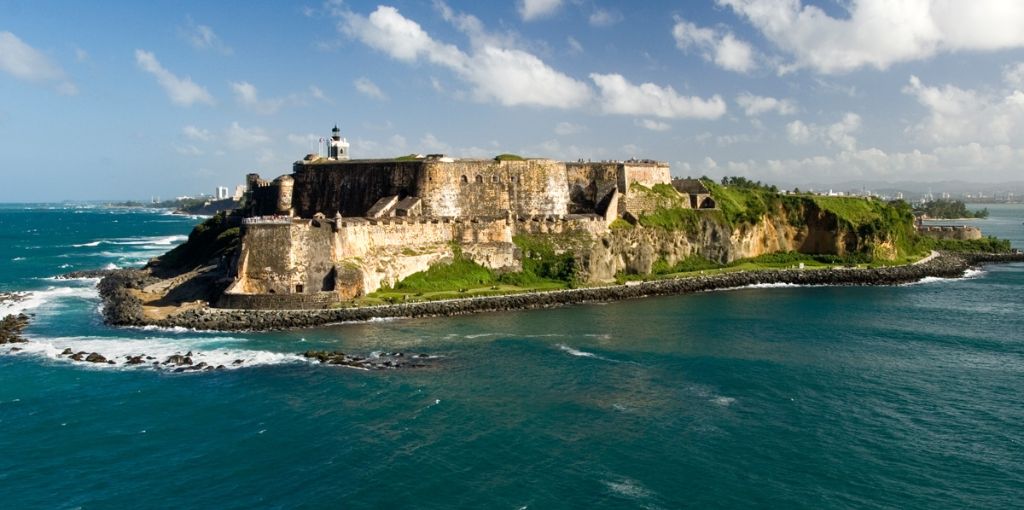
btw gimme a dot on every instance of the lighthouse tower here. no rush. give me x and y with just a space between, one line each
338 148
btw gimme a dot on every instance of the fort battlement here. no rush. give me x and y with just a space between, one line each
348 226
956 232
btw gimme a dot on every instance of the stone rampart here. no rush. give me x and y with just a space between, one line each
358 237
351 187
471 188
955 232
314 301
589 183
645 174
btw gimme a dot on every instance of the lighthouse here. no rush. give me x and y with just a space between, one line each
338 147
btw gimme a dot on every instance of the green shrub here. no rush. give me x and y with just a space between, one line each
208 241
674 219
460 273
542 262
508 157
619 224
986 245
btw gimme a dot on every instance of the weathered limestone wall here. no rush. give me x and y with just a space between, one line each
383 252
589 183
264 264
263 199
590 224
357 237
646 174
351 187
290 258
957 232
471 188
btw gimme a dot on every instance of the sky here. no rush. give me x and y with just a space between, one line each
116 100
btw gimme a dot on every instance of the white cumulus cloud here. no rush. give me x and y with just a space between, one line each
182 91
202 37
198 134
568 128
247 96
27 63
369 89
238 137
839 134
880 33
961 116
722 48
530 10
620 96
754 105
496 72
653 125
604 17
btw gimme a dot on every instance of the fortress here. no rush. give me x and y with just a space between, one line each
337 228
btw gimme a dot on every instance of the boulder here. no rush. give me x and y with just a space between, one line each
95 357
178 359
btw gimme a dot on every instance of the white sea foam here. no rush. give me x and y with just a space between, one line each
34 299
772 286
151 241
723 401
968 275
17 259
576 352
974 273
482 335
628 488
214 351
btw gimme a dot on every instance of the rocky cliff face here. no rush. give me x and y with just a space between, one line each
805 228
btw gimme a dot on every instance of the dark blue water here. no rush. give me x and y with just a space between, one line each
783 397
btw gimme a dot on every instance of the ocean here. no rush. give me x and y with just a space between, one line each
790 397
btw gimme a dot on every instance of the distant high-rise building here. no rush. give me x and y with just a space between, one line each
239 191
222 193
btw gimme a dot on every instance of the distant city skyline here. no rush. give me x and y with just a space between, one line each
117 100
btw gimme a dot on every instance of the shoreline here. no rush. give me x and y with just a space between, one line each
120 308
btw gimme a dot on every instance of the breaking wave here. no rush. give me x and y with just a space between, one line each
577 352
223 352
135 241
30 300
968 275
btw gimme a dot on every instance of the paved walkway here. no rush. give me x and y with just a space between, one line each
930 256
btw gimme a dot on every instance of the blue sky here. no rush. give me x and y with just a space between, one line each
107 100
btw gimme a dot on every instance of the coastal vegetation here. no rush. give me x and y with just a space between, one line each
545 267
208 241
948 209
984 245
508 157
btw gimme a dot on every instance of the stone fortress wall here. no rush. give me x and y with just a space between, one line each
342 229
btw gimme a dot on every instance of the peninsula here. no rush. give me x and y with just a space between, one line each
343 239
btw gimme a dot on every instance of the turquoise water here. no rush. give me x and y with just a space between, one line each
783 397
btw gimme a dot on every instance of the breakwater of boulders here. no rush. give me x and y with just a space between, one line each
121 308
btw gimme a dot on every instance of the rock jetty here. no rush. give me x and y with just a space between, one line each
11 327
376 361
122 308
